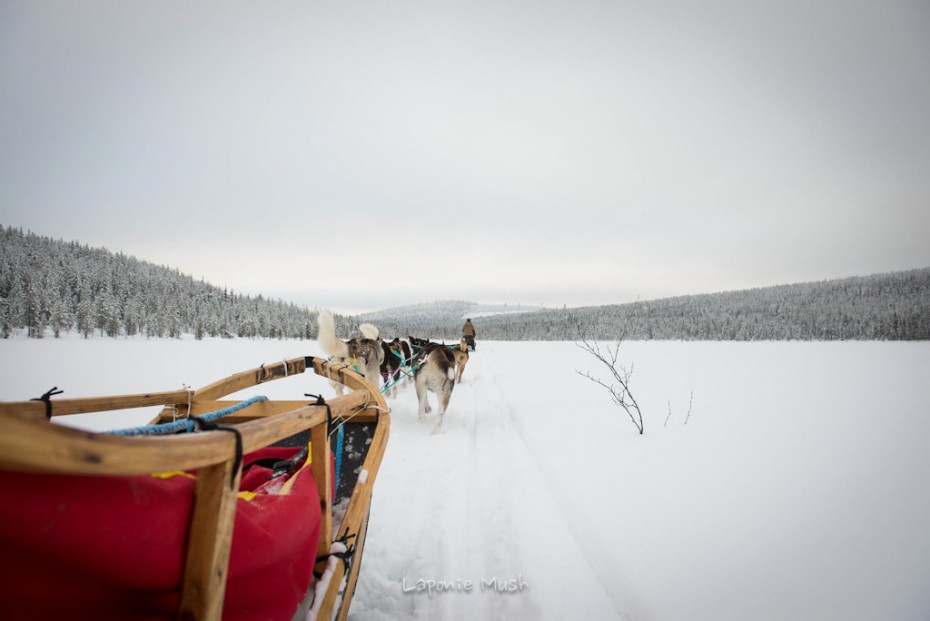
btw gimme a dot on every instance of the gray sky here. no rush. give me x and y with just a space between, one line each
361 155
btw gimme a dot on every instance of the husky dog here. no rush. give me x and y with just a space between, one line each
364 354
406 353
418 346
461 359
437 374
393 365
407 359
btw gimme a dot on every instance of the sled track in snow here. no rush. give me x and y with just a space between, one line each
483 509
584 543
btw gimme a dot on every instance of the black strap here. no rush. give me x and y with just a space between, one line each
346 557
204 425
321 401
47 399
280 467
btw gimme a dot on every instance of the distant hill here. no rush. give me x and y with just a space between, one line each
445 311
892 306
422 318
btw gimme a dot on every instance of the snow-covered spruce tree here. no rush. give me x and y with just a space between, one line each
6 329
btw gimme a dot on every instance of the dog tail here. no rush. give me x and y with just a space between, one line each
369 331
450 373
331 344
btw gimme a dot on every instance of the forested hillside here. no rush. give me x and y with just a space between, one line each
424 317
893 306
52 286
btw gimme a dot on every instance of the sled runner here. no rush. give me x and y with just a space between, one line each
257 509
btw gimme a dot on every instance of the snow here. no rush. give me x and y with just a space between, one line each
797 489
322 585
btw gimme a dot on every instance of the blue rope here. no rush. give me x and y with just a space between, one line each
186 424
337 455
339 436
388 385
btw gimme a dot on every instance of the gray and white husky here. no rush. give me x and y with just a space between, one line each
436 374
363 353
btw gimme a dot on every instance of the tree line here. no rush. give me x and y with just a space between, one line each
892 306
50 286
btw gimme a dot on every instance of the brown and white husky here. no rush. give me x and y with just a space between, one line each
436 374
363 353
461 359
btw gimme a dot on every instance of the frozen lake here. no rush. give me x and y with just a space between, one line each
796 490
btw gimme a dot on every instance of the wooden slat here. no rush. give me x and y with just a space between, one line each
27 445
352 578
342 374
210 541
366 416
322 473
61 407
346 406
332 591
262 409
258 434
252 377
32 410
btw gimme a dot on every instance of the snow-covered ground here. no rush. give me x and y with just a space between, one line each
797 490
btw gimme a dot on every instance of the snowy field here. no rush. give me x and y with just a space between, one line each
797 490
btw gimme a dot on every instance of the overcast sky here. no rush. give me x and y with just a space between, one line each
362 155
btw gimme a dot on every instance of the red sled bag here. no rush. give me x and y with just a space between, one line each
83 547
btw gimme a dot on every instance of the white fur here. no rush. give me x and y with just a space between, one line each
326 337
338 350
430 377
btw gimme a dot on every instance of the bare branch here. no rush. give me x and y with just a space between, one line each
690 403
620 389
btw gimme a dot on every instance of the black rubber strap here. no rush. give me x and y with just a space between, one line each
210 426
47 399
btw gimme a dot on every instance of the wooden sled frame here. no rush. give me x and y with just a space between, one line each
29 443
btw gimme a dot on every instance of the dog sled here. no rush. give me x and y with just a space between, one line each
257 509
